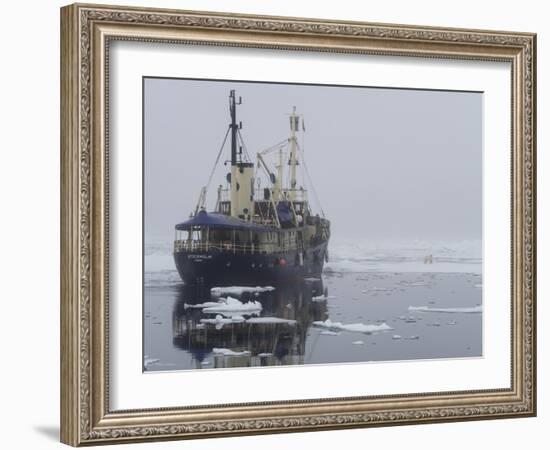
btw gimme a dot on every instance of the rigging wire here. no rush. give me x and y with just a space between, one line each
310 180
302 150
274 147
217 161
244 145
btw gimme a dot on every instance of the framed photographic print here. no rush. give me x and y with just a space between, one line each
277 224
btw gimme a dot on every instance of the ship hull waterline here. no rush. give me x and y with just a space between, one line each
229 269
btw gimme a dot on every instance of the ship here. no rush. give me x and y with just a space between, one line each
255 234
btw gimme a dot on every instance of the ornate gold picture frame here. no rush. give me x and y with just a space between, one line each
87 32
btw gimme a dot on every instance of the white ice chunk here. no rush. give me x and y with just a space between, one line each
200 305
232 305
353 327
147 362
473 309
220 321
396 337
330 333
358 342
270 320
322 298
263 355
239 290
228 352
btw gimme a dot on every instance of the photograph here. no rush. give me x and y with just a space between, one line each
272 222
295 224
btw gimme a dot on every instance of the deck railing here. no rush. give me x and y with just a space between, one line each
228 246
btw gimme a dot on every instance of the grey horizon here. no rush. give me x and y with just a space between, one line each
387 164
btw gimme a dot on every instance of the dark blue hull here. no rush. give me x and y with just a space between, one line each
227 268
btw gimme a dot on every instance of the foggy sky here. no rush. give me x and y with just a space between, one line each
386 163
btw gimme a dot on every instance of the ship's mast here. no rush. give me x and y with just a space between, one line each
242 172
279 180
234 127
294 121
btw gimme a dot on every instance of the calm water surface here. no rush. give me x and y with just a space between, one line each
176 336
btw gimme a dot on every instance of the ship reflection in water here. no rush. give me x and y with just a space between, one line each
270 328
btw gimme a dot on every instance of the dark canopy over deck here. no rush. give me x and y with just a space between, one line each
216 220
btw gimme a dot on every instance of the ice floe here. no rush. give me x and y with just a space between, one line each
397 337
364 256
358 342
473 309
409 319
322 298
353 327
330 333
228 352
270 320
148 361
220 321
232 306
161 278
239 290
200 305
